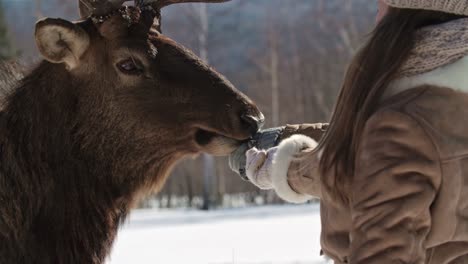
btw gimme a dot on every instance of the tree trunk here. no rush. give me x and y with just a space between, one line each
38 11
274 78
208 161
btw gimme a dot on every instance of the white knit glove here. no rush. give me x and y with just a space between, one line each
266 164
264 140
268 169
258 167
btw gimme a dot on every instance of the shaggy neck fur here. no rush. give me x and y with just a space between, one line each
66 179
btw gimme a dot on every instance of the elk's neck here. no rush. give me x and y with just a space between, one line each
64 170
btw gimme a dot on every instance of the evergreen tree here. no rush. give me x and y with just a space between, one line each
7 51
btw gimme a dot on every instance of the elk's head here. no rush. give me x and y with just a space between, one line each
139 81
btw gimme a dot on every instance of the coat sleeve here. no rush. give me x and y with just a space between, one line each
314 131
303 174
295 167
397 176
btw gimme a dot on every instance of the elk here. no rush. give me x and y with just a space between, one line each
99 124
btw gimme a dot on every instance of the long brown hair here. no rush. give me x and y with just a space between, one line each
372 69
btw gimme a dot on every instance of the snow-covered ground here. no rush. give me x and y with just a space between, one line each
259 235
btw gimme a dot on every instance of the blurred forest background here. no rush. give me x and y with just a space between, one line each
287 55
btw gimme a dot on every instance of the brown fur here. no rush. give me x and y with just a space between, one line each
79 147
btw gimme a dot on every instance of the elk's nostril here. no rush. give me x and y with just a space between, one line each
253 123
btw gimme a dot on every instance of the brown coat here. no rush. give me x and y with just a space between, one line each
409 196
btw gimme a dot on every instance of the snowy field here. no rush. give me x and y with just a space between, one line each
259 235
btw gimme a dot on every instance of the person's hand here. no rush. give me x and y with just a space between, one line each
271 169
237 161
264 140
258 168
267 159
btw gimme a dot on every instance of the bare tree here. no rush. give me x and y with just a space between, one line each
38 9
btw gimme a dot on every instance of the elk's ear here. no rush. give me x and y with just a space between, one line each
61 41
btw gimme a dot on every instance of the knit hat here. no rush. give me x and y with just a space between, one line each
459 7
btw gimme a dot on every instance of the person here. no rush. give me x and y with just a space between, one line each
391 169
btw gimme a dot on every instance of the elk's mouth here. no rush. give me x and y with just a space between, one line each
215 143
204 137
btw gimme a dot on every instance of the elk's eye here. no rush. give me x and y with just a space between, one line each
130 67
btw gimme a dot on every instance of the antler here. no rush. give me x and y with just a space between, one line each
98 7
158 4
104 7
